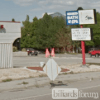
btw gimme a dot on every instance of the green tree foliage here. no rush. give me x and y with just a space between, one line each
13 20
41 33
95 28
96 32
26 31
27 18
64 38
79 8
46 31
33 35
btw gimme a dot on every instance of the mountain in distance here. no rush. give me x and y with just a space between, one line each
57 14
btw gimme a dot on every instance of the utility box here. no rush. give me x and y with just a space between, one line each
9 32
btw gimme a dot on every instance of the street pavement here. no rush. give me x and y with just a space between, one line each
40 88
61 59
45 92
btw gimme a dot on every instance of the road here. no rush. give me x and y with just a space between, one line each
44 93
61 59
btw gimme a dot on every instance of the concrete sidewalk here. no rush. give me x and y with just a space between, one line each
42 81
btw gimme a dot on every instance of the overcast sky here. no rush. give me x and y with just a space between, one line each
18 9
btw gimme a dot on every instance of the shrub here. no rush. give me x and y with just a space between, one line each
23 49
7 80
15 49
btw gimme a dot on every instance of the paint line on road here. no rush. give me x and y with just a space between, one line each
70 58
51 93
32 97
90 87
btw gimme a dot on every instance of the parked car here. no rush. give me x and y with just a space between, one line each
32 51
94 52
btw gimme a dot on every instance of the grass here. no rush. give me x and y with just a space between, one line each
7 80
36 85
93 63
24 82
71 72
42 75
92 78
64 73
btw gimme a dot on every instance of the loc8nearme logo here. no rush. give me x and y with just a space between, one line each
72 93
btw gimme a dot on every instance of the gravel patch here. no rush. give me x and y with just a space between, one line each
77 68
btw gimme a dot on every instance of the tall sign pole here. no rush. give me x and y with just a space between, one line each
81 17
83 49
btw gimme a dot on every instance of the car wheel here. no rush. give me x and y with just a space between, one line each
97 55
36 54
30 54
90 55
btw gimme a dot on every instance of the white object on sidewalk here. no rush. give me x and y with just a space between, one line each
41 64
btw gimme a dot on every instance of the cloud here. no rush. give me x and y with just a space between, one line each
58 4
36 9
90 4
51 7
41 16
47 13
23 2
42 3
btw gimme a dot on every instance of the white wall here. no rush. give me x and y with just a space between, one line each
10 27
8 35
10 32
6 55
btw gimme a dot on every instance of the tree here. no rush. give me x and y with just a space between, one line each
79 8
46 31
26 30
63 38
33 34
27 18
41 33
96 32
13 20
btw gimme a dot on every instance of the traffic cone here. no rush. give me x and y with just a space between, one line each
47 53
52 53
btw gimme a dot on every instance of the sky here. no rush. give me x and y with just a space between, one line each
18 9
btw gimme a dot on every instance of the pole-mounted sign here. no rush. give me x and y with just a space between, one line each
52 69
81 17
81 34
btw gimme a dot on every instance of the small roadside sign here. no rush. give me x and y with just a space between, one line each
52 69
80 34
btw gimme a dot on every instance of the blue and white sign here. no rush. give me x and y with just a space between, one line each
80 17
72 17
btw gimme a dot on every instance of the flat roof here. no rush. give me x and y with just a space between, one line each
11 21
